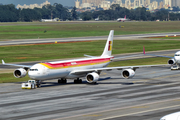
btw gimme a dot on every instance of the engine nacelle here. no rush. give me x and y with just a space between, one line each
20 73
92 77
128 73
171 61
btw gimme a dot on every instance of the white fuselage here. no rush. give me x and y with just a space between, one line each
121 19
62 69
177 57
173 116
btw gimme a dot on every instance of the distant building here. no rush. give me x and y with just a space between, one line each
175 3
93 2
105 5
86 5
32 6
167 3
77 4
136 3
154 5
161 5
118 2
139 3
142 3
128 4
147 2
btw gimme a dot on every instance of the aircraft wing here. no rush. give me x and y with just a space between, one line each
16 65
159 56
76 72
154 54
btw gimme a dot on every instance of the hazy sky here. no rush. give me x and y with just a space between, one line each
27 2
63 2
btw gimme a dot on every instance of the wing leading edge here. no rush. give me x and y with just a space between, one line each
76 72
16 65
154 54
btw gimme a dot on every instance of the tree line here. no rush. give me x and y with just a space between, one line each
8 13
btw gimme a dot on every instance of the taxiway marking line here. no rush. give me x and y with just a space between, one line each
156 78
138 112
101 112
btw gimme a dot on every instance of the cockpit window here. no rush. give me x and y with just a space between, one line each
33 69
177 54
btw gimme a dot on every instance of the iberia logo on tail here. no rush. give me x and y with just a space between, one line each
110 46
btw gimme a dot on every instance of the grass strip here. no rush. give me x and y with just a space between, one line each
9 78
75 29
24 53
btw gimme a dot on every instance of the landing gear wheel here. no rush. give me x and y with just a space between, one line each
38 83
62 81
78 81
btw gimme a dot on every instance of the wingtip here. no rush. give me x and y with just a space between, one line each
144 50
3 62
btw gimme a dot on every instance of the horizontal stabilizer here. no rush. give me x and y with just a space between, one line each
89 56
127 57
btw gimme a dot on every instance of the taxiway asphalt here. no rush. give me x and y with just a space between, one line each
151 94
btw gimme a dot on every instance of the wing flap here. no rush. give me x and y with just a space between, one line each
159 56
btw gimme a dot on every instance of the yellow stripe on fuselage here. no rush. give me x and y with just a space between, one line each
44 64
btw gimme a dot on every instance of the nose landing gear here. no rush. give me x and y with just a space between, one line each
38 83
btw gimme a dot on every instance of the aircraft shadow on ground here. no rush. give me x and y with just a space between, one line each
50 84
105 81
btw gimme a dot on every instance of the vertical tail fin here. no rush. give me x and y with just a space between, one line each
125 16
109 44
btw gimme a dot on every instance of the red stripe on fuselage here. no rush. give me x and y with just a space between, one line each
77 63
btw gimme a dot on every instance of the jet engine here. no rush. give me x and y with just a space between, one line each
128 73
92 77
20 73
171 61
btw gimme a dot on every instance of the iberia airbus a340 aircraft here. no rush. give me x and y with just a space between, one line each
90 67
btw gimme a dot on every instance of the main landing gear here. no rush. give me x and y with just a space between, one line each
64 81
77 81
